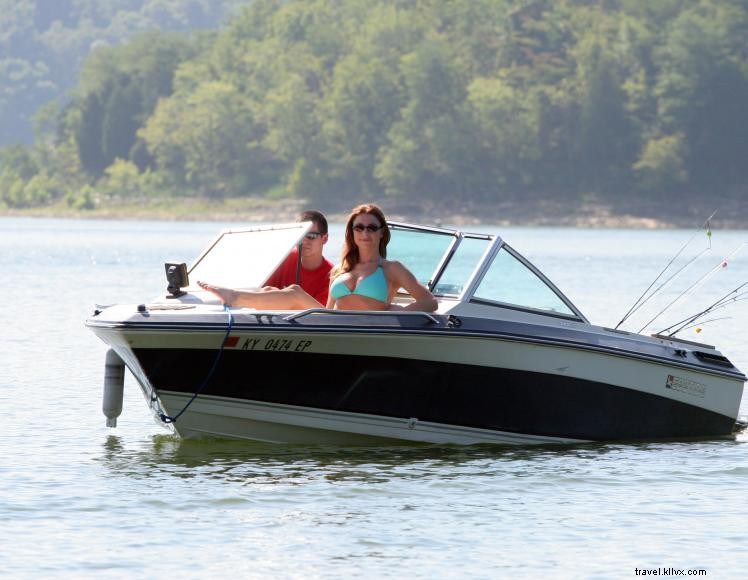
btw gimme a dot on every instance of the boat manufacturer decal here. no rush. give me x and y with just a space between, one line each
686 386
270 344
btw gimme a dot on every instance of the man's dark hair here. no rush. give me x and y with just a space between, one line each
312 215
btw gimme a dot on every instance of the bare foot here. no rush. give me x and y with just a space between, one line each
226 295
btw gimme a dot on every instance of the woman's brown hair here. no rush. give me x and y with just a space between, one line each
350 256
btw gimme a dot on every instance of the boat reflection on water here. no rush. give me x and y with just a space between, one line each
506 358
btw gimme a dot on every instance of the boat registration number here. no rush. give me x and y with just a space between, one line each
271 344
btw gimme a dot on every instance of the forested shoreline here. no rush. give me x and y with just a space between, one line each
469 103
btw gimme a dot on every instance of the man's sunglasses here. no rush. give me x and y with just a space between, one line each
371 228
313 235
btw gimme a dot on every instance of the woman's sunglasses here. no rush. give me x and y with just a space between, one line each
371 228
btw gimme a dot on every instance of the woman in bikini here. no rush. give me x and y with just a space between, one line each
365 280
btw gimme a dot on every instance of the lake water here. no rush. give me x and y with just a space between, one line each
80 500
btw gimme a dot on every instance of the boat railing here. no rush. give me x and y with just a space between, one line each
296 316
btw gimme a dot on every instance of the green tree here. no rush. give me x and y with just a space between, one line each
703 88
607 143
362 104
17 168
505 123
209 140
428 151
123 110
661 167
88 134
119 90
474 99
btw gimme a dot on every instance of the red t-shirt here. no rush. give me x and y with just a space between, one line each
316 282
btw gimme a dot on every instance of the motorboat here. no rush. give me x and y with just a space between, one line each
506 358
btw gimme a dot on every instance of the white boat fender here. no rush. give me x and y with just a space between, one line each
114 387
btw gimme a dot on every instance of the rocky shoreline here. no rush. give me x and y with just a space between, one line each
732 213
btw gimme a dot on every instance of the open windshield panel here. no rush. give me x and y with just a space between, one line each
247 257
444 260
464 265
421 249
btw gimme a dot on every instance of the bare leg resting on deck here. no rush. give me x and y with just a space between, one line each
293 297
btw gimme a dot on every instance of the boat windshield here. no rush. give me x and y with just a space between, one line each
246 258
465 266
513 281
475 267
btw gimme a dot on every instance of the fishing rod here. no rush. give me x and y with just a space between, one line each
723 302
641 300
721 266
702 323
693 320
670 279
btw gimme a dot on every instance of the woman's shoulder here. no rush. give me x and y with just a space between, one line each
336 272
393 266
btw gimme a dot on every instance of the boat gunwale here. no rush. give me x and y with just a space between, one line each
443 331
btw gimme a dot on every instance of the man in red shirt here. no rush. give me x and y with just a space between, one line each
281 290
314 272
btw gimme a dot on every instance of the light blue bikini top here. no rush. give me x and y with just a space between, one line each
373 286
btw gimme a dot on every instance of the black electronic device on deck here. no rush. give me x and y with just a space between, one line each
176 276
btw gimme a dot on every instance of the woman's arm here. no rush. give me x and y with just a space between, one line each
401 277
330 300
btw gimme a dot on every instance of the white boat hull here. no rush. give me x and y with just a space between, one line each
358 385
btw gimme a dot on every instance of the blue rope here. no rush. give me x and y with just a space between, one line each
166 418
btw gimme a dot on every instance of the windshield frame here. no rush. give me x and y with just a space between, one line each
482 266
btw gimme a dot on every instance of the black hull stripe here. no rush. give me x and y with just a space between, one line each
451 394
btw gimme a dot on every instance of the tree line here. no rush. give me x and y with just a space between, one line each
44 42
473 99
